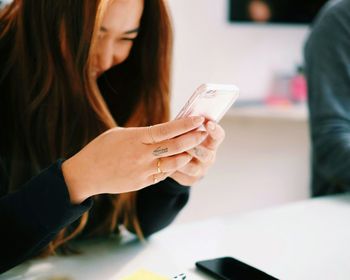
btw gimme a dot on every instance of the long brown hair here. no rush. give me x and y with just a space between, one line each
50 107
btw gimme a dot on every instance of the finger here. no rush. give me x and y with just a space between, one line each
156 178
184 179
169 164
192 169
202 154
179 144
165 131
216 134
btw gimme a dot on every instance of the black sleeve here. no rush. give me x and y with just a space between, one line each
31 218
327 57
159 204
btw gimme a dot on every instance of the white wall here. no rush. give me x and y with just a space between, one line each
263 162
210 49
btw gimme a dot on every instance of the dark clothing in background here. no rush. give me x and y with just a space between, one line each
327 57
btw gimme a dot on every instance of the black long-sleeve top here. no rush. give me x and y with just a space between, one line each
327 57
31 217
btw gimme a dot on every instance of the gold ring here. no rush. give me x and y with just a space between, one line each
155 179
150 134
159 170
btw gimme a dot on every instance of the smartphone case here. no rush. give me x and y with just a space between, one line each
211 101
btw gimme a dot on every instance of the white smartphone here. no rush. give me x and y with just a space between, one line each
210 101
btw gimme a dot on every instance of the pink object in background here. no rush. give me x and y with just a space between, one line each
298 87
280 94
288 89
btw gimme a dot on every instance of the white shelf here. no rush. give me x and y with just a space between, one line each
285 112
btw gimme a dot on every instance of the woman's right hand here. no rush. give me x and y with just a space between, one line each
127 159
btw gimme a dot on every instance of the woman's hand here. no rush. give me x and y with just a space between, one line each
128 159
203 156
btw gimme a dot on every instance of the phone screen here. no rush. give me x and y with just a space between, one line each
228 268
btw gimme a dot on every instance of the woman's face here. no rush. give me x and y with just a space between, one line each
118 30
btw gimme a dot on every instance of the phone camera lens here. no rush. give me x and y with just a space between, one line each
210 93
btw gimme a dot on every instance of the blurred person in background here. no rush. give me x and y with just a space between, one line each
327 57
259 11
86 142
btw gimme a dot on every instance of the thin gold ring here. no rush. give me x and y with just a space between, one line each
150 133
155 179
159 170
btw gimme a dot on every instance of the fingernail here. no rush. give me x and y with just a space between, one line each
197 120
211 125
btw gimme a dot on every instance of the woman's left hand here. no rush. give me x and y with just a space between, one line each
203 156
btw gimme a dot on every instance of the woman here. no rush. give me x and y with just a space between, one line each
84 85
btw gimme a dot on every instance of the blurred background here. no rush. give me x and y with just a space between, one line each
257 45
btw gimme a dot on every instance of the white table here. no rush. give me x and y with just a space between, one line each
304 240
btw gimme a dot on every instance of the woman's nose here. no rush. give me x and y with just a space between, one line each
104 61
104 56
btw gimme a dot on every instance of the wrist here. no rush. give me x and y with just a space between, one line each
75 184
